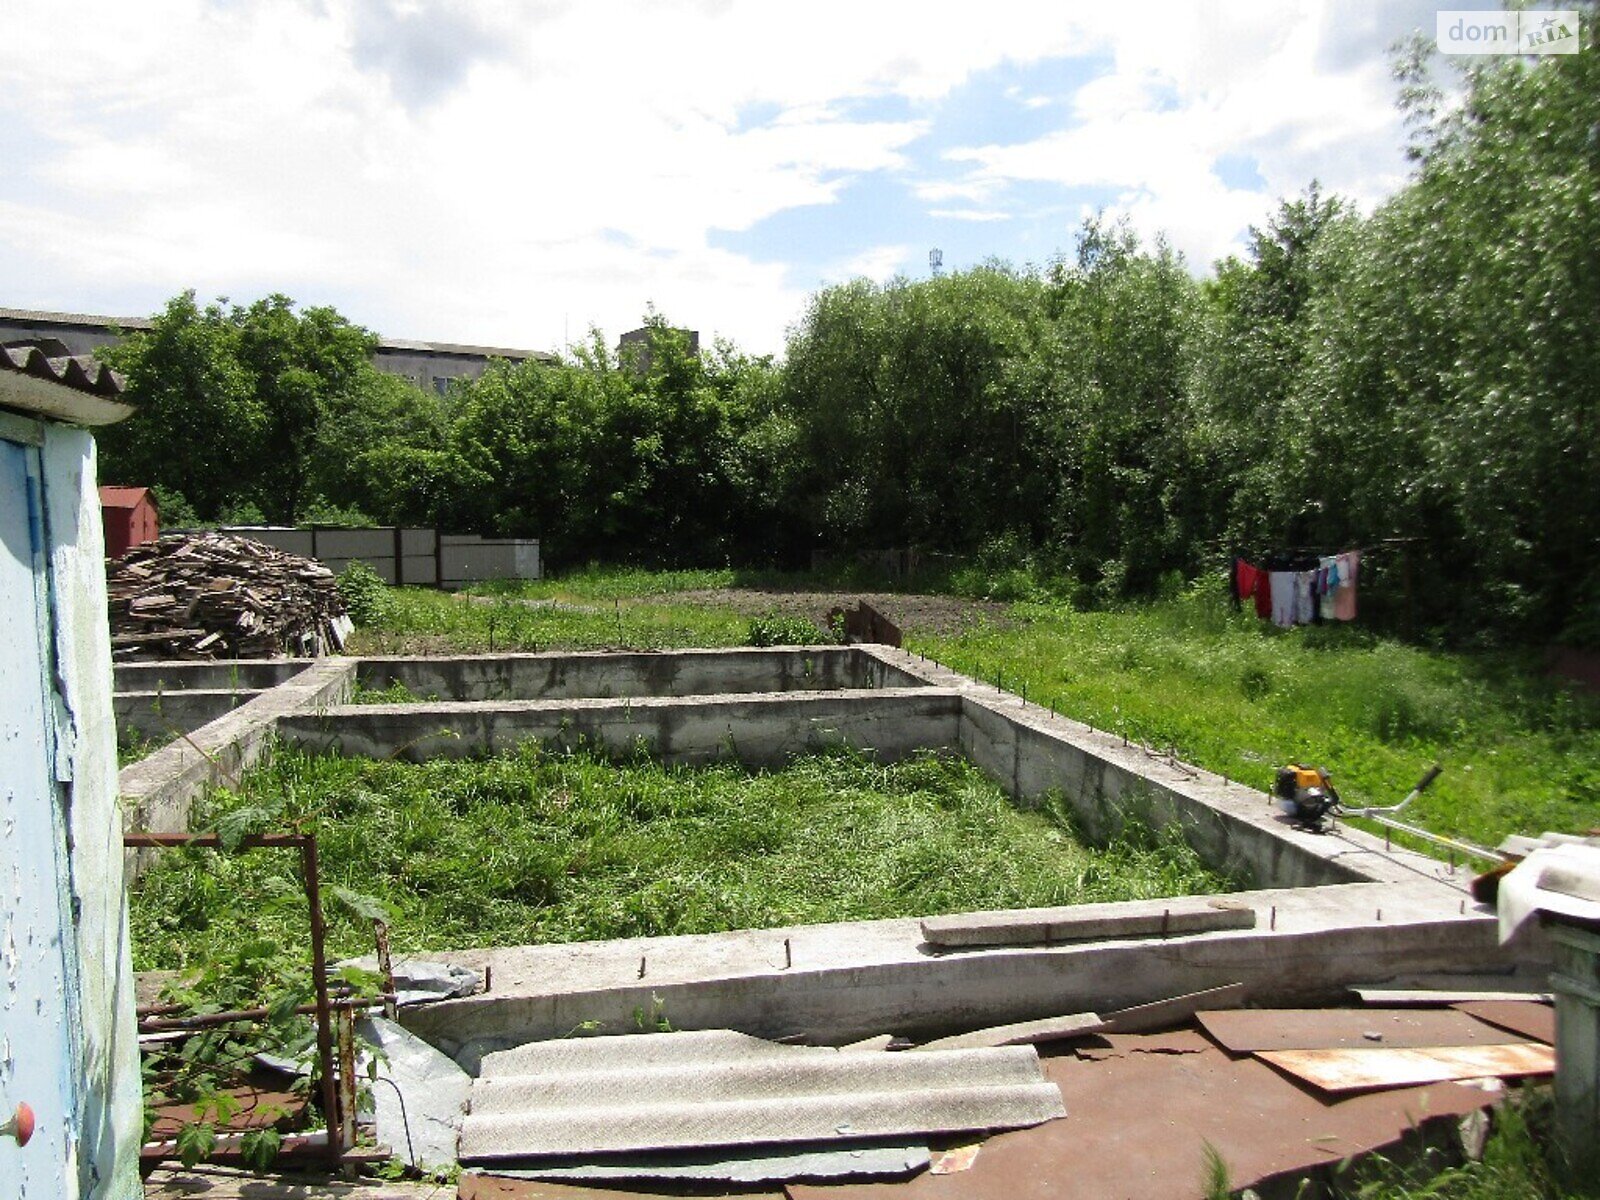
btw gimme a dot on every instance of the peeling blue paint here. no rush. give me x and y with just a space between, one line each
68 1045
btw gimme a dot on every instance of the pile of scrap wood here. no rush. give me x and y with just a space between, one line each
211 595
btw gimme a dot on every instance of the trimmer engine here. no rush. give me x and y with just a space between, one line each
1307 795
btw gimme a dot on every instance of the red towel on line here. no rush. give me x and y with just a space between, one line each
1252 583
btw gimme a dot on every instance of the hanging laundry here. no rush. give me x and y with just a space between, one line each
1251 583
1282 588
1344 596
1305 608
1327 586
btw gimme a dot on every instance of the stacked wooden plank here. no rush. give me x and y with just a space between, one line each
213 595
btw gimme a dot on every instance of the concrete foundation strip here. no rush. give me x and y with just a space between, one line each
719 1088
1082 922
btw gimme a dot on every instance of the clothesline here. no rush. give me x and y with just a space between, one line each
1305 595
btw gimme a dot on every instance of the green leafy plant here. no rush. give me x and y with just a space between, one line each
782 629
365 594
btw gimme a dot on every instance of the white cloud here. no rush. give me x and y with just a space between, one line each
1195 83
969 214
510 172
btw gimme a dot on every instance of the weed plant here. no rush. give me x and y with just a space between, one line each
540 846
421 621
1240 697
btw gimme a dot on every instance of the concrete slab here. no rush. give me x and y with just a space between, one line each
247 674
1089 922
1328 910
852 980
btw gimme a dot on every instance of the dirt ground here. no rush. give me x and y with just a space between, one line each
912 612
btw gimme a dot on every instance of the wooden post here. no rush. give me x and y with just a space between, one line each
1406 581
1576 984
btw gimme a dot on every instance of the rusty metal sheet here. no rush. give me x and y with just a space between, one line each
1536 1021
1354 1070
261 1105
1120 1045
1247 1030
1444 990
1178 1010
1140 1121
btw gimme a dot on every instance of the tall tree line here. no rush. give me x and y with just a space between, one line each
1430 371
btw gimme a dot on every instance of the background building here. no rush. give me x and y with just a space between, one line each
429 365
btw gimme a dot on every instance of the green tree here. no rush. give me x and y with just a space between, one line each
908 432
199 422
308 369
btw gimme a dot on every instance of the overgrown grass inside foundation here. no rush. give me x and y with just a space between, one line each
546 846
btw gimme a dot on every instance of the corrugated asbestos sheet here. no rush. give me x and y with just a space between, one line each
718 1088
81 372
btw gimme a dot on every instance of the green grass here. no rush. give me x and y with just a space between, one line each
1519 1163
1225 690
419 620
547 847
1240 697
133 746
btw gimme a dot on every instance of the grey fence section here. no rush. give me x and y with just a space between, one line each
404 555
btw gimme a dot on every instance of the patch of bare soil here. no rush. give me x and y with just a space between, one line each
910 611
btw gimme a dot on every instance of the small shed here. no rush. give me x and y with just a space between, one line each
68 1040
130 518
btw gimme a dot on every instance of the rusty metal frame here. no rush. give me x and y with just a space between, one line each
338 1085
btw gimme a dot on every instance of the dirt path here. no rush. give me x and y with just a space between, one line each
912 612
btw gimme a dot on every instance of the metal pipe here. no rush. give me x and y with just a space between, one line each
319 981
347 1080
380 934
1493 856
159 1023
210 839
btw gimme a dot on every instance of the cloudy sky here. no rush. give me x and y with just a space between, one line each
513 172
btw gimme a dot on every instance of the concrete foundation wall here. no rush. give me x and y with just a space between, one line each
215 676
839 982
759 730
1109 784
1344 909
158 792
609 675
168 714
